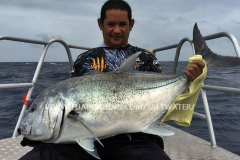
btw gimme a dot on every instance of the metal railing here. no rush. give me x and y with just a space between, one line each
36 74
207 115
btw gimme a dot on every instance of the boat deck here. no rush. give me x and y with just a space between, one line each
185 146
181 146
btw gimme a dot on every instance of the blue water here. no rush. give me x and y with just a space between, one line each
224 107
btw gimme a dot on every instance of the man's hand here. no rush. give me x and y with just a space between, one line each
194 70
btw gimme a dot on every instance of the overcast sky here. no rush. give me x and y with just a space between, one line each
158 23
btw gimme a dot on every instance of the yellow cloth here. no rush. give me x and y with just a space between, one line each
181 110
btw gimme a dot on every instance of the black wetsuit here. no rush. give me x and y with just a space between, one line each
141 147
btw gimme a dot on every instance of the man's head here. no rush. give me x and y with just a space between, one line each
116 23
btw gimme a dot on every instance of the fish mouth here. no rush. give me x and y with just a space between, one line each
25 130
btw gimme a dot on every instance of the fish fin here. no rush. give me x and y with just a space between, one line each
129 136
127 65
89 130
211 58
93 153
87 144
157 130
200 45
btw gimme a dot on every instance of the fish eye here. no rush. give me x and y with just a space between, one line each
32 109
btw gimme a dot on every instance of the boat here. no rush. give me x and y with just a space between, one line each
181 146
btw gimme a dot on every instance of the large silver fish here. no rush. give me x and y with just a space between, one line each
93 107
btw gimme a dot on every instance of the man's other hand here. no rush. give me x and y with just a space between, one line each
194 70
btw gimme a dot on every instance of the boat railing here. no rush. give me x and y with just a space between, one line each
37 71
207 115
31 85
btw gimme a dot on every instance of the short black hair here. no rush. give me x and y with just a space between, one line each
115 4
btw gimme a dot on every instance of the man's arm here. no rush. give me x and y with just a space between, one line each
194 70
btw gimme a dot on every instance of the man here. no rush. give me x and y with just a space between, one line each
115 23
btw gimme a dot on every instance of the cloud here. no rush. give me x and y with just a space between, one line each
158 23
236 21
182 20
45 37
75 7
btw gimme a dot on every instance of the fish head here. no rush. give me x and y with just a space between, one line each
42 121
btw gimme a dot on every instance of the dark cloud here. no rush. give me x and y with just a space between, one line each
45 37
236 21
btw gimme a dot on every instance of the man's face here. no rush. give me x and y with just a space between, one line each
116 28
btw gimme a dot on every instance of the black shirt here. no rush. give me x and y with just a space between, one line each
107 59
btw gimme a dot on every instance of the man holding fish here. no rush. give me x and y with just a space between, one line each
116 24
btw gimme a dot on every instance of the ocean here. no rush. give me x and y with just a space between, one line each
224 107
